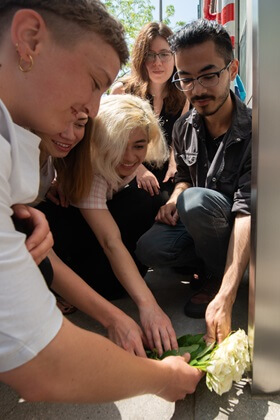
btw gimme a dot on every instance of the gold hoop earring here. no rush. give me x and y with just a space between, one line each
25 69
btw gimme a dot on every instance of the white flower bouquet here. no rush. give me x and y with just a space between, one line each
223 363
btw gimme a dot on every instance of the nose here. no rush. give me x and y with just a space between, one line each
128 156
91 109
198 88
69 134
157 60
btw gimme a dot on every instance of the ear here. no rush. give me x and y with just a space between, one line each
28 31
233 69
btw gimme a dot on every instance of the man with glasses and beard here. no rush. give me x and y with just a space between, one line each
205 225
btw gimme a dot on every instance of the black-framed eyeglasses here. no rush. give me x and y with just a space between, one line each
206 80
164 56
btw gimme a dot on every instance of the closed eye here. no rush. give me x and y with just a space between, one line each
208 76
95 85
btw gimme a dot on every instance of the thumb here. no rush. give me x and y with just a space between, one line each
209 337
187 357
21 211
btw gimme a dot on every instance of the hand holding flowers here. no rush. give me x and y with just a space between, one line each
223 363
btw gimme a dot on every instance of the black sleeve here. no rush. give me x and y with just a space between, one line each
242 196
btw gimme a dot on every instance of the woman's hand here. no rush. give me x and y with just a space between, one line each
126 333
147 181
56 195
158 328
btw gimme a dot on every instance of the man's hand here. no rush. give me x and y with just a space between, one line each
158 328
218 319
34 224
184 379
167 214
126 333
218 313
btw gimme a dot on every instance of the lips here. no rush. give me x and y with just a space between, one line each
202 101
128 165
62 146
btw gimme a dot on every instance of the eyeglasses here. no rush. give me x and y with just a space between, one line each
205 80
163 56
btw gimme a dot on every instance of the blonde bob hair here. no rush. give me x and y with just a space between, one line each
118 115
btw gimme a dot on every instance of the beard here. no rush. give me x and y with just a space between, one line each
219 102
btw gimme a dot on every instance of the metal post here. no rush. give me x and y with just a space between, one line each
264 304
160 10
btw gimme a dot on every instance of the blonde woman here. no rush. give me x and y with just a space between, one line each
99 246
125 134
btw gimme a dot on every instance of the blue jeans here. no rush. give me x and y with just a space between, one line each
200 237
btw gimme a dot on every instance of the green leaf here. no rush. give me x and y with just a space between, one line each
207 350
182 350
189 339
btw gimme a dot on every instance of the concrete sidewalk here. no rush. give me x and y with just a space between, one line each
171 291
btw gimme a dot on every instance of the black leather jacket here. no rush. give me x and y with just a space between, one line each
230 170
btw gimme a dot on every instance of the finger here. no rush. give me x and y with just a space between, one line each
145 341
21 211
169 219
173 338
150 340
156 190
39 234
42 248
150 188
165 339
176 216
63 201
41 251
186 357
52 198
157 341
210 336
139 350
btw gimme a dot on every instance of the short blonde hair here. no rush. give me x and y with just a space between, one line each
117 117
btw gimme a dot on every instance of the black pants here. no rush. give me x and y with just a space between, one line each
133 210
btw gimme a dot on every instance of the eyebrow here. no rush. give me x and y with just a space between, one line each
206 68
162 50
141 141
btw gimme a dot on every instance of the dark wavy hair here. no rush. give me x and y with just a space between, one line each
137 83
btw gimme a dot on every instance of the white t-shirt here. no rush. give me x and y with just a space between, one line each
29 317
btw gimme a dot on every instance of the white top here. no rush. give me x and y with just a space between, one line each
100 192
29 317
